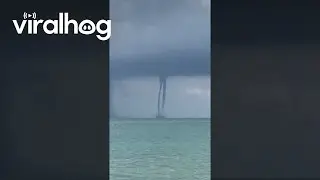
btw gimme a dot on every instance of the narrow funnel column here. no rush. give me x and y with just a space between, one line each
159 100
162 94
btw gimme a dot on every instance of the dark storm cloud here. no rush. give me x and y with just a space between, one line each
160 37
178 63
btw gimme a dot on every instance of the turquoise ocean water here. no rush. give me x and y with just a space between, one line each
160 149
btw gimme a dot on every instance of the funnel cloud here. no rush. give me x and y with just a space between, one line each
153 39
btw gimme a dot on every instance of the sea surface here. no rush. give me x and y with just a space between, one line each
160 149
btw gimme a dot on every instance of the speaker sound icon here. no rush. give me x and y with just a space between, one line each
27 15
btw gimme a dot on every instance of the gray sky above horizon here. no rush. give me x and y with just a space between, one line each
141 28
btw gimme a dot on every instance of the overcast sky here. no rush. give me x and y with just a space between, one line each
142 28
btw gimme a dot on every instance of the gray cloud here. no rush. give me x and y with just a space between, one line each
144 27
171 37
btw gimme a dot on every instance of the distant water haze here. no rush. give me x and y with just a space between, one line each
186 97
